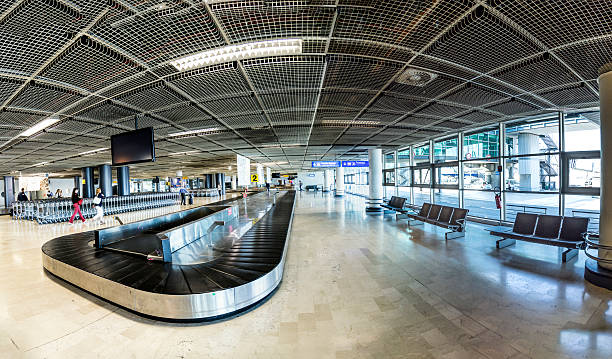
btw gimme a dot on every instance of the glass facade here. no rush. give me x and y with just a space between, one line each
546 164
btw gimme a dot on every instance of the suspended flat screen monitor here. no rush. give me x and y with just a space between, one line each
133 147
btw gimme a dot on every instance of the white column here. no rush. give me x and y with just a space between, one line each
260 175
375 196
268 175
327 175
234 183
339 181
605 217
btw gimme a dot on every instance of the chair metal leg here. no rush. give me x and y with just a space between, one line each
568 254
454 235
505 242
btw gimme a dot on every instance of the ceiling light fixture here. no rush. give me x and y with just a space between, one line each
39 126
350 122
93 151
201 131
230 53
40 164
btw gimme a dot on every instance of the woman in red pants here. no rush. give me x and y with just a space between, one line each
76 203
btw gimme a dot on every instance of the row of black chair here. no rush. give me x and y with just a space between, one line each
558 231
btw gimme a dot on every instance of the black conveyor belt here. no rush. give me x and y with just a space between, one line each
254 255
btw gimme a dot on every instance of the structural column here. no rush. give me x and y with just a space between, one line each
601 273
9 191
88 186
339 181
327 176
123 181
375 196
105 174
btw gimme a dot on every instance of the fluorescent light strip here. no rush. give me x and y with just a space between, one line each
40 164
93 151
195 132
230 53
39 126
350 122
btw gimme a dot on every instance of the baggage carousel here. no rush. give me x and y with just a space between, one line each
222 272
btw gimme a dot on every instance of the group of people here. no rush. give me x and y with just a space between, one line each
98 204
77 201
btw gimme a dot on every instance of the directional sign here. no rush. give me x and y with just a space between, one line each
355 163
325 164
255 178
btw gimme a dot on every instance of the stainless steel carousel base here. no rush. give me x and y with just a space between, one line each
166 306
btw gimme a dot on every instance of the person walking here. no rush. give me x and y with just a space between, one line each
76 203
21 197
99 206
183 193
268 187
300 183
58 193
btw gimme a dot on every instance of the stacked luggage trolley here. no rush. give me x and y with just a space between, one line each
60 210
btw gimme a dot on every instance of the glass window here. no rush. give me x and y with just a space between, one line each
583 206
545 203
364 180
389 191
422 176
403 158
421 195
446 150
582 132
404 192
532 173
481 145
481 204
447 176
446 197
481 175
421 154
532 136
584 172
389 160
389 177
403 176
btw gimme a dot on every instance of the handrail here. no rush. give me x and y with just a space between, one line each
590 244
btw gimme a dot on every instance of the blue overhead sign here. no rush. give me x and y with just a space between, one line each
355 163
325 164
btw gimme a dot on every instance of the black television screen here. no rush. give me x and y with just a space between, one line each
133 147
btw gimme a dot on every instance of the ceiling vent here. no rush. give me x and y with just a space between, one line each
416 77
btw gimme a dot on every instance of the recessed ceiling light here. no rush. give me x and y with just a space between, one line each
239 52
39 126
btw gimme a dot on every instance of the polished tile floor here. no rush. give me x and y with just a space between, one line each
355 286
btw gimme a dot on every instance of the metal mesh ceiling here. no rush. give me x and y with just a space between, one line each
98 64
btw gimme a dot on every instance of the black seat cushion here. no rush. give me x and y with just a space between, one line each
392 201
525 223
573 228
548 226
400 201
458 214
445 214
425 210
434 212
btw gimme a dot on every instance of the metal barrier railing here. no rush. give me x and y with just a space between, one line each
60 210
591 243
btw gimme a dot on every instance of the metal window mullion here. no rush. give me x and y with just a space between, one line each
502 175
431 171
460 172
562 172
